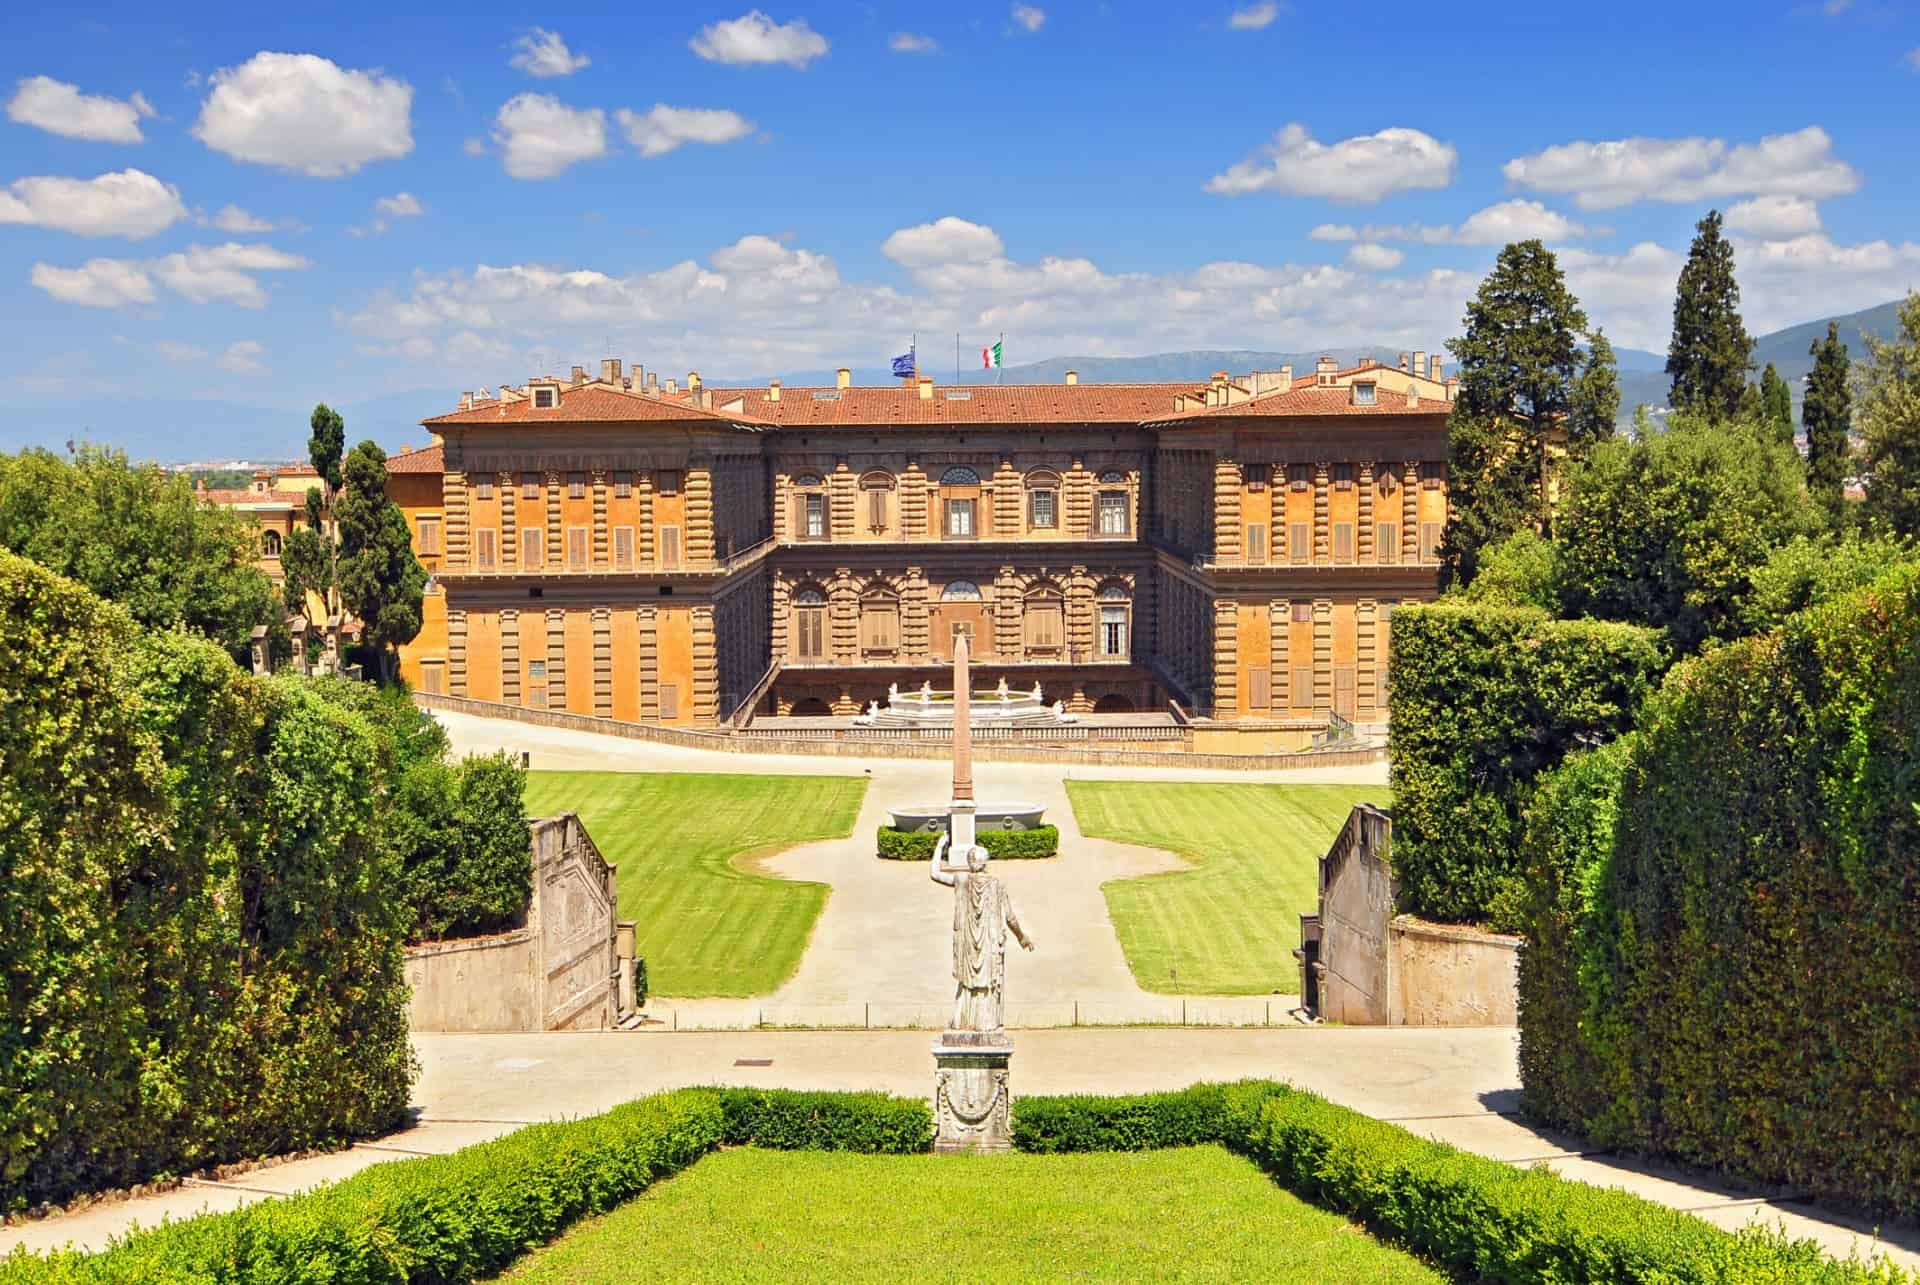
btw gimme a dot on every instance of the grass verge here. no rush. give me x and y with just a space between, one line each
706 926
1228 926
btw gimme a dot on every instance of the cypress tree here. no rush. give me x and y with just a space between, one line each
1827 413
1594 404
1711 351
1776 405
1518 361
380 580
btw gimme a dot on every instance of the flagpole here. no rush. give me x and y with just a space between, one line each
1001 378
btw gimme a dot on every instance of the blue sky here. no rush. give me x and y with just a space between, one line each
355 202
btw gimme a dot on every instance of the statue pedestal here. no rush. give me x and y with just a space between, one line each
972 1099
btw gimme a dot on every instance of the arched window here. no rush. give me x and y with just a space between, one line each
1113 477
879 622
1113 638
1043 500
961 591
1112 507
1043 620
960 504
809 507
809 624
876 498
959 476
270 543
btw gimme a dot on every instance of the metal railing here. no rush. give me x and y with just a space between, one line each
1230 1011
1059 735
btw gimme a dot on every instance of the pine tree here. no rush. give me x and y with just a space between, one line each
327 438
1776 405
1711 352
1827 413
1594 404
1518 361
380 580
1890 422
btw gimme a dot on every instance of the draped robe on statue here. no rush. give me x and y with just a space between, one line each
981 910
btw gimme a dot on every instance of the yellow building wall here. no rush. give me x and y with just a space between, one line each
1255 650
579 637
675 626
626 664
483 655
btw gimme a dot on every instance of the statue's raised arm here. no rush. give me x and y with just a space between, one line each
940 872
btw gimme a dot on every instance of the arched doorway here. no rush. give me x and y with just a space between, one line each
811 707
1113 703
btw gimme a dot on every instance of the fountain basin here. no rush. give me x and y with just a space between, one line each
988 816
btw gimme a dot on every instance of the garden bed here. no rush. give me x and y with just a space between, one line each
1001 845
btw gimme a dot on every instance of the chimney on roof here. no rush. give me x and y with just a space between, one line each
1453 389
1217 389
1286 378
1073 377
843 378
610 371
634 373
1436 375
926 388
673 386
466 400
1403 361
1413 396
579 376
1419 363
706 398
653 383
773 390
1325 369
693 381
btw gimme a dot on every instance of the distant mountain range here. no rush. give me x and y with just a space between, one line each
175 429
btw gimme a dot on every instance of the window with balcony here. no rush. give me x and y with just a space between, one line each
876 498
577 548
1043 622
533 548
1386 543
1256 543
1343 542
485 541
623 548
1114 638
809 624
879 623
1113 513
961 515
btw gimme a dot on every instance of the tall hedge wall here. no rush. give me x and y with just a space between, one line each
1748 960
1483 700
200 962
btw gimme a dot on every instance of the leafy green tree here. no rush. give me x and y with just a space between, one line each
1827 413
1594 405
1776 405
1518 361
1711 352
458 838
1890 421
139 536
1669 530
1807 571
306 564
380 580
1517 572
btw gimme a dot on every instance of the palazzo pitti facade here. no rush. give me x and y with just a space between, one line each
617 547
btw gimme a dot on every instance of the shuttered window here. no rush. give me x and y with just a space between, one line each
1429 541
623 548
1343 692
483 547
1343 542
1300 542
1256 542
533 541
429 535
810 630
1303 687
576 486
669 548
669 700
1386 542
1259 688
577 548
880 625
877 508
1041 625
483 488
622 485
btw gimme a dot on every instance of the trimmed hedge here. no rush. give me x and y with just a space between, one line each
1002 845
200 961
1748 963
1485 699
469 1214
1483 1219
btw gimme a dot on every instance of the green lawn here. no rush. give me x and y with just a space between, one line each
1201 1214
1230 926
706 926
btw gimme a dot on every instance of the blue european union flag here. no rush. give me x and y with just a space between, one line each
903 366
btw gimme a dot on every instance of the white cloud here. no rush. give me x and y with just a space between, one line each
401 205
242 357
232 218
129 203
754 40
945 240
1606 175
1774 216
223 273
906 42
544 54
1834 8
1912 59
540 136
302 112
1254 17
1028 17
1369 257
97 283
1496 225
664 128
474 147
1353 171
60 108
178 353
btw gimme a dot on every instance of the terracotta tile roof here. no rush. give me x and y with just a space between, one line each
589 403
424 459
1318 402
958 404
233 497
1309 379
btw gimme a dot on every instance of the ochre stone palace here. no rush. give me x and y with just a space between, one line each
619 547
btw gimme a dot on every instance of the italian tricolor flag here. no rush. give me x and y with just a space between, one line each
990 357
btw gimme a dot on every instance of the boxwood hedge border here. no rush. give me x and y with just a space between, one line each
469 1214
1001 845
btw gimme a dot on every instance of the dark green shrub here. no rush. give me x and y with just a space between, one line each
458 837
197 912
791 1120
1750 968
918 845
405 733
1484 699
1146 1122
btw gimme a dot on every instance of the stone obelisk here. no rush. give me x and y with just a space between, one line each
961 808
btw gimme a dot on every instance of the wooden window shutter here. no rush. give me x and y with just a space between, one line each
1429 541
669 548
577 548
1343 692
1386 542
1343 542
483 546
1256 542
1259 688
669 700
877 509
1303 687
1300 541
623 548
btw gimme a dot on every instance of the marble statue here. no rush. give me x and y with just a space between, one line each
926 691
1036 691
1060 710
893 693
873 709
1001 690
982 917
